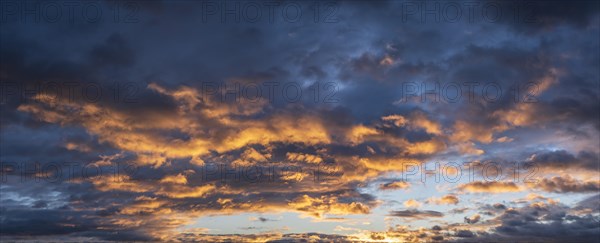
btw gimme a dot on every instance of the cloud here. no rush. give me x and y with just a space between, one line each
416 121
173 132
115 51
489 187
175 179
267 237
309 158
447 199
541 221
113 126
411 203
261 219
417 214
464 234
320 206
567 184
473 219
394 185
561 159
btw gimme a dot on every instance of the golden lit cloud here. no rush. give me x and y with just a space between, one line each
490 187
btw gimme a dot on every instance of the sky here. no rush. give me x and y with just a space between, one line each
282 121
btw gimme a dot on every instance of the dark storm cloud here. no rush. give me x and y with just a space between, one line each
545 222
567 184
589 203
540 16
526 224
563 159
28 222
464 234
115 51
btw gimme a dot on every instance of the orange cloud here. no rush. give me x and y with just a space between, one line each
411 203
447 199
490 187
317 207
